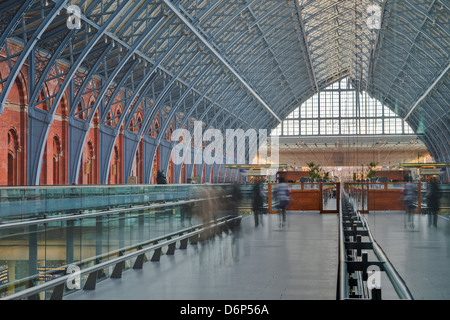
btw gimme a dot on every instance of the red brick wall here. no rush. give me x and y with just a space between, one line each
14 119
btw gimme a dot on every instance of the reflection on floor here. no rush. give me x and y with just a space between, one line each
419 250
295 261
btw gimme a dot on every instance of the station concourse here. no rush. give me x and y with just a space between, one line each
151 147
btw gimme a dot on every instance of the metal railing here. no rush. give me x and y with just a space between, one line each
359 278
107 211
81 230
31 203
138 252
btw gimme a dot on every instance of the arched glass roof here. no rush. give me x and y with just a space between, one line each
231 64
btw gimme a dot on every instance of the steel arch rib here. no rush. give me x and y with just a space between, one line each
243 102
268 61
52 62
134 50
240 35
419 30
151 115
199 100
211 105
14 22
36 163
10 28
27 49
146 82
92 72
149 120
175 108
117 69
261 37
405 63
238 117
231 19
409 53
104 163
218 55
77 143
229 111
149 78
438 138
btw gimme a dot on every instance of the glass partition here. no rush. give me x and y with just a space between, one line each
365 198
35 202
329 197
397 186
38 252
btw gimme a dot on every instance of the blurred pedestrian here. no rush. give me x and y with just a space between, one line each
236 198
433 202
283 195
258 201
188 208
409 197
206 212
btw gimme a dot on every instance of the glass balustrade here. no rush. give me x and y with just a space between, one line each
78 229
35 202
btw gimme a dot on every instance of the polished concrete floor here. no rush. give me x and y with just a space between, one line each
295 261
418 250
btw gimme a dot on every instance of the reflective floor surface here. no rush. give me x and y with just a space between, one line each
418 250
297 260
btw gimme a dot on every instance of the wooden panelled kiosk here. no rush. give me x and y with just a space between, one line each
308 196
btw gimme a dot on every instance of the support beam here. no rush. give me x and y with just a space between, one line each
305 41
219 56
428 91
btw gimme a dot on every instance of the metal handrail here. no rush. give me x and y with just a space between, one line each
107 212
110 253
77 216
396 280
394 277
61 281
342 281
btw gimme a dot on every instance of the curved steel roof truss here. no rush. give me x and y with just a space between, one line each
239 63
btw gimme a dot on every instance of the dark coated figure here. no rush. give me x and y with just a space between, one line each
433 198
258 202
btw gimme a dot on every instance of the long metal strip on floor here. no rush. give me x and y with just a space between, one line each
360 278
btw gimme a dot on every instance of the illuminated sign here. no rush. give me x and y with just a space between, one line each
49 273
424 165
255 166
4 275
429 171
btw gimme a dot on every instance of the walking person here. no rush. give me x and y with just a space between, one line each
258 200
283 194
409 197
206 208
433 202
234 203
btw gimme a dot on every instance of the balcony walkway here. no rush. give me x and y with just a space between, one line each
270 262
